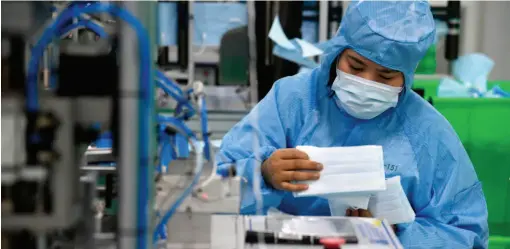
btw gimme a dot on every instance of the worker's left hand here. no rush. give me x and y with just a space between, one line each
363 213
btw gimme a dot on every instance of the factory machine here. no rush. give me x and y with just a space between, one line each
73 72
70 72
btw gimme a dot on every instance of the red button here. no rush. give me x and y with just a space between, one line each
332 243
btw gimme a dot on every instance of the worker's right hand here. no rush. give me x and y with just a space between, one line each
287 165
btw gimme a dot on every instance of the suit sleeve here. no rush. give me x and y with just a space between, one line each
251 142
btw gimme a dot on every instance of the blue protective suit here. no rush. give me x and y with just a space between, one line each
418 142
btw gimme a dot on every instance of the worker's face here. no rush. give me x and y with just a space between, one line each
352 63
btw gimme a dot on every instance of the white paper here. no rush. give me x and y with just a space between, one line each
357 169
392 204
277 35
308 50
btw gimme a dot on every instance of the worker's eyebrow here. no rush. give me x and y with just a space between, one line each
355 59
387 70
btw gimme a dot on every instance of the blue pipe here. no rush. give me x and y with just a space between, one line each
188 132
165 84
96 28
177 124
170 83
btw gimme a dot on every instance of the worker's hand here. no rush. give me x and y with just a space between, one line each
358 213
363 213
287 165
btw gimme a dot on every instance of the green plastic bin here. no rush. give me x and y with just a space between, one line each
483 126
428 64
430 86
499 242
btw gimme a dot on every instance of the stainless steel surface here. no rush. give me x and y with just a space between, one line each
129 71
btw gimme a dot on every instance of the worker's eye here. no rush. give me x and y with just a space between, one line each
355 68
386 77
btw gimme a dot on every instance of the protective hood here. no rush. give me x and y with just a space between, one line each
393 34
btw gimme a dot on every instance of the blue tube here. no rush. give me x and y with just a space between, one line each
87 24
185 130
170 83
177 124
164 83
161 225
170 88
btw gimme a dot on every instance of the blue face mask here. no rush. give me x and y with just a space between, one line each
362 98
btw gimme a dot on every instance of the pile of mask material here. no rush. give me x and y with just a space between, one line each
470 79
353 177
296 50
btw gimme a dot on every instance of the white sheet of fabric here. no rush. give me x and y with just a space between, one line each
338 204
392 204
347 170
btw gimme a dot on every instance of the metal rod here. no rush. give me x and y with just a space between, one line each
252 45
323 20
129 71
191 57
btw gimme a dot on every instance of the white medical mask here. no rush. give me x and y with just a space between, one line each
347 171
392 204
362 98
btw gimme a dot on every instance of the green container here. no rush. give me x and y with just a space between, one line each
430 86
428 64
499 242
483 126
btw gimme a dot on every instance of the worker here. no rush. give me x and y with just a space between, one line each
361 95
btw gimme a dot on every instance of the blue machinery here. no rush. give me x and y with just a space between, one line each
173 132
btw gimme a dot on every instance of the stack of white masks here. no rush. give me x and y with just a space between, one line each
392 204
350 175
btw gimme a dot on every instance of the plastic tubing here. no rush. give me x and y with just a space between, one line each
182 128
96 28
169 82
145 108
164 84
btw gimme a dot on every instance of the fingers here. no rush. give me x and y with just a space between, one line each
364 213
358 213
299 176
293 187
291 154
355 213
301 164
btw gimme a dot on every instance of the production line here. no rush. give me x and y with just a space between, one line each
146 152
72 137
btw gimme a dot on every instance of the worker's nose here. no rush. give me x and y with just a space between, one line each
368 75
